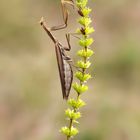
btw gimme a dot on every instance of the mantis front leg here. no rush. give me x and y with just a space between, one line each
64 13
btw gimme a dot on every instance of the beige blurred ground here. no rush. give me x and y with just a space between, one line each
31 105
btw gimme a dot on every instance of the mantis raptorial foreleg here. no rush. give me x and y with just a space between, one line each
64 13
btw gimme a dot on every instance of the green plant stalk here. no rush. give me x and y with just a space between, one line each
83 64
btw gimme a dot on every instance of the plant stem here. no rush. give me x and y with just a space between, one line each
70 125
83 64
71 120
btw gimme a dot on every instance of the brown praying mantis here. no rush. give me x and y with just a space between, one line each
64 61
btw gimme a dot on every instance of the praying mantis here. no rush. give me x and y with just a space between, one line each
63 60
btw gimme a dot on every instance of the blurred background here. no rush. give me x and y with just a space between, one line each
31 104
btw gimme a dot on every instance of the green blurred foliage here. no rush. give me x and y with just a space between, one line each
31 104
